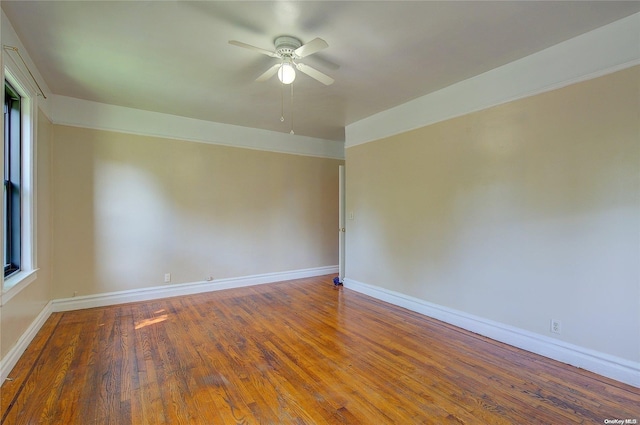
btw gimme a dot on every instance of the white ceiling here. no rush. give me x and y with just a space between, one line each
174 57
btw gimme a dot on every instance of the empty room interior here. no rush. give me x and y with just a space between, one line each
307 212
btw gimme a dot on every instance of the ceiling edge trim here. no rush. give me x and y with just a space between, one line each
100 116
8 36
82 113
596 53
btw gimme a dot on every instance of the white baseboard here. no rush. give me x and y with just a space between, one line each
9 361
156 292
603 364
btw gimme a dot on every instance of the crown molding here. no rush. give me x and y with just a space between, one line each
100 116
599 52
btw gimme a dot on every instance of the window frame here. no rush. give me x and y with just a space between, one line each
12 180
27 273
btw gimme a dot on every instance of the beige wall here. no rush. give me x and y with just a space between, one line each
520 213
128 209
20 311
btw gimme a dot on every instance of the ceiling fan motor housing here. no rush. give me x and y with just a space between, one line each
286 46
289 50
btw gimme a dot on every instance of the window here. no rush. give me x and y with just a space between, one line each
19 169
12 181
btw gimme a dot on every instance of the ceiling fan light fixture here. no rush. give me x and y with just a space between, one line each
286 73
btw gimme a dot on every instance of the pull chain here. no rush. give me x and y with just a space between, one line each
281 102
291 132
282 105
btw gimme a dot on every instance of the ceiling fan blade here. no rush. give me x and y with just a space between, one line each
311 47
314 73
268 73
254 48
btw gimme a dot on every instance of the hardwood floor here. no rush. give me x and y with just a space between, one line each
298 352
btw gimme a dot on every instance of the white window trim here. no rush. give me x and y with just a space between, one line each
16 283
28 110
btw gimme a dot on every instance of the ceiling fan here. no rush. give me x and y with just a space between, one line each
289 50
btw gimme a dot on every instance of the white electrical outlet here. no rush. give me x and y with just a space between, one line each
167 277
556 326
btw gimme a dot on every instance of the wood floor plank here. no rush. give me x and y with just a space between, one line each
15 382
297 352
